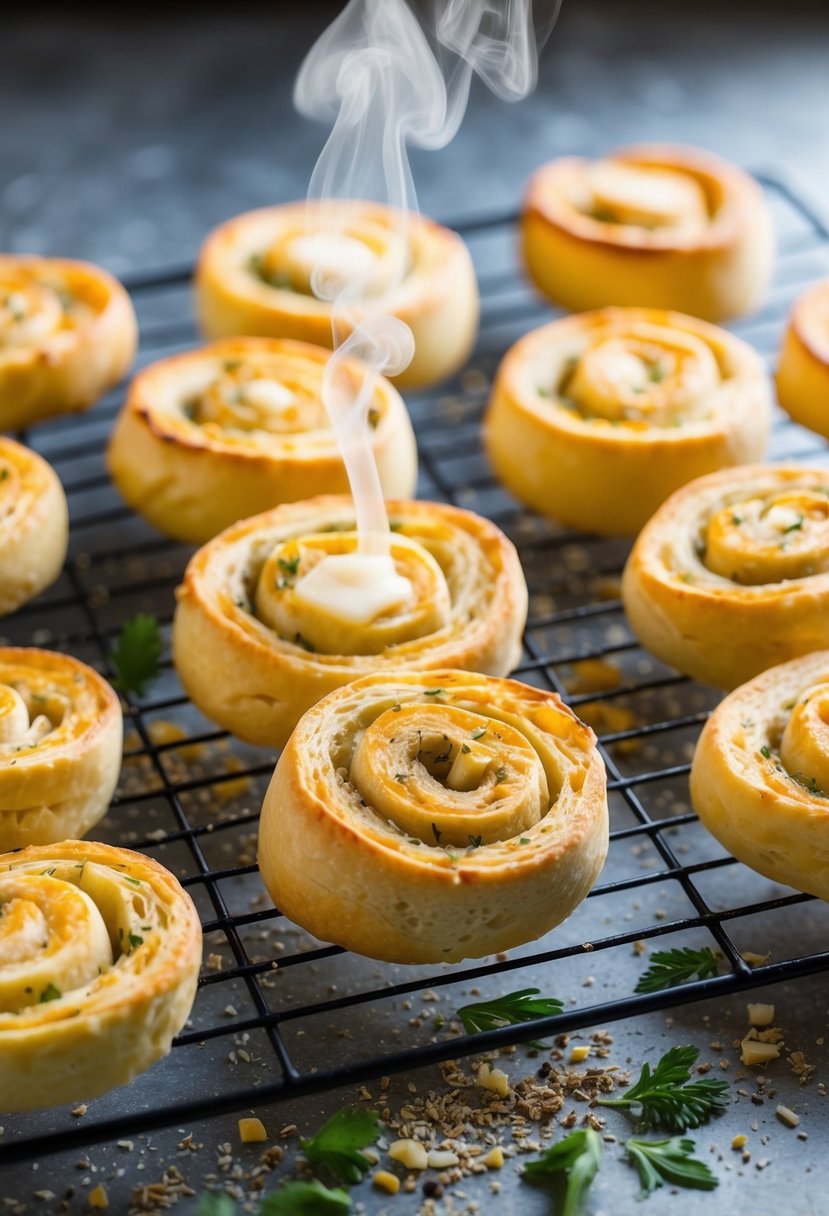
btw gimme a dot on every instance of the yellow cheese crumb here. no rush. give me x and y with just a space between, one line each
252 1131
494 1079
97 1198
739 1141
410 1153
755 1052
788 1116
385 1181
761 1015
579 1054
494 1159
753 959
441 1159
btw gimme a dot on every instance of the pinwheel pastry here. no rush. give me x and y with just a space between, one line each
803 370
34 525
760 777
100 951
225 432
731 575
268 619
255 271
595 419
658 225
430 817
60 746
67 334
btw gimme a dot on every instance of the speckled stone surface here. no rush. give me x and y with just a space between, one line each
124 144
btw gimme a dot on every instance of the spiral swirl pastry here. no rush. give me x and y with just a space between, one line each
656 225
254 652
100 951
595 419
67 334
225 432
60 746
34 525
760 776
803 370
254 277
431 817
731 575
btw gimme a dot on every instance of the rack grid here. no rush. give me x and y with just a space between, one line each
190 794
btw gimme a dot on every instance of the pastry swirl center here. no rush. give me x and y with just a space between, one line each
325 259
275 397
445 775
804 747
643 197
53 940
642 373
358 624
769 538
29 312
19 726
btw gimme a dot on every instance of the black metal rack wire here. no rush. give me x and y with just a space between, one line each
576 643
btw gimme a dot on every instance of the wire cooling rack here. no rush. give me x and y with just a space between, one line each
279 1014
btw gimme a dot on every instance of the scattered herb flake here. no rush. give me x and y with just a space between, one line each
50 993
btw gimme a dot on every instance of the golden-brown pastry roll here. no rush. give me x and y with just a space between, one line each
803 370
431 817
100 951
760 776
595 419
225 432
658 225
34 525
60 746
731 575
255 649
254 277
67 334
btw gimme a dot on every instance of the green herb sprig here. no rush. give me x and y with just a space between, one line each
671 1161
509 1010
136 656
578 1156
338 1143
670 967
665 1098
306 1199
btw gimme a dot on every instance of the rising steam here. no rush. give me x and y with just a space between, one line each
386 80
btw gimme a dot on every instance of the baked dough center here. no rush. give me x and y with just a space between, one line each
53 940
360 258
644 197
270 395
445 775
318 592
643 373
19 729
804 747
769 539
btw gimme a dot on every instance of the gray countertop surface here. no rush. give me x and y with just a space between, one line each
125 143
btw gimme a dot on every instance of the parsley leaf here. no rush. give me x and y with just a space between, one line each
664 1097
510 1010
661 1161
670 967
50 993
215 1203
137 654
578 1156
306 1199
337 1144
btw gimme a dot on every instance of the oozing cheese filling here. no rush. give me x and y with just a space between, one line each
319 593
